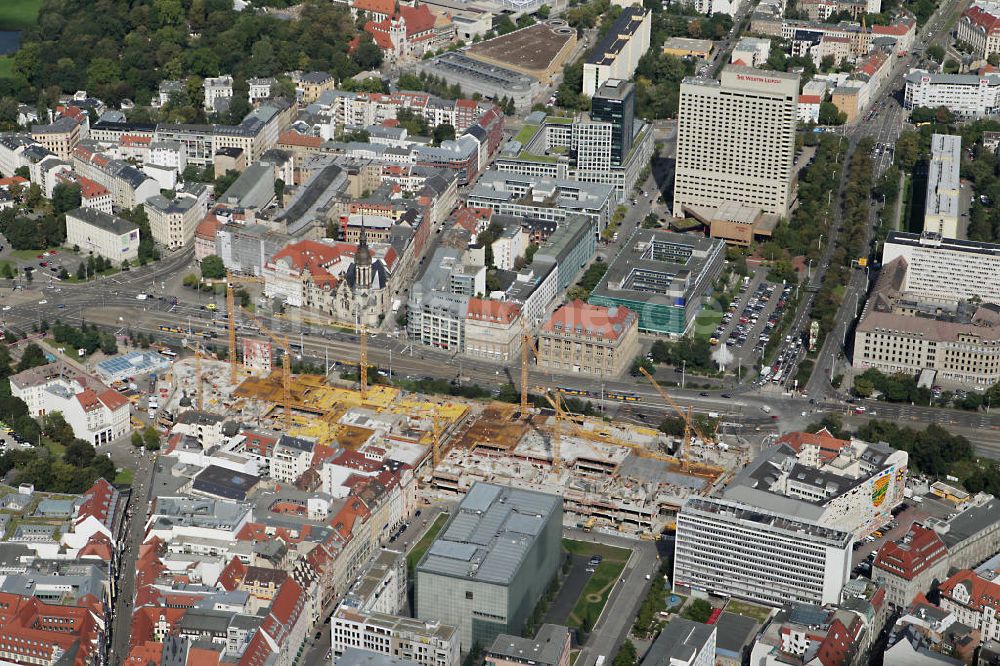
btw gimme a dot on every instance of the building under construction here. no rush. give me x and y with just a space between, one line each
609 474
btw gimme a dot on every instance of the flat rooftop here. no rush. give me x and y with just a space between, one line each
490 533
757 518
943 182
531 48
618 36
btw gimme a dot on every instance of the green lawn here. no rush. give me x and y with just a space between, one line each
525 134
421 546
4 262
6 67
19 14
706 322
124 477
597 590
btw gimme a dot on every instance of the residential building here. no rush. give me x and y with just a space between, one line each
617 54
663 276
102 234
943 186
509 245
96 413
549 647
291 458
204 236
974 600
813 95
173 221
491 562
973 534
682 643
751 52
310 86
970 95
736 140
493 330
218 93
260 89
94 195
589 339
60 137
730 7
429 643
908 567
946 268
979 27
841 633
735 549
129 186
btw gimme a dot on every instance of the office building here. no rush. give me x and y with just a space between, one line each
849 485
491 562
589 339
730 7
974 598
736 140
751 52
614 103
475 76
946 268
911 331
979 27
617 54
909 567
101 234
570 247
663 276
173 221
425 643
493 330
735 549
966 95
943 186
685 47
682 643
548 199
549 647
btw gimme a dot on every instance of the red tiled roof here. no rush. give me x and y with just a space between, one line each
90 189
375 6
983 19
419 22
919 550
472 218
293 138
129 140
88 400
13 180
591 320
112 399
982 593
208 227
829 445
232 575
503 312
809 99
313 256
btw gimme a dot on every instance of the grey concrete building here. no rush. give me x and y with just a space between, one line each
479 77
490 564
253 189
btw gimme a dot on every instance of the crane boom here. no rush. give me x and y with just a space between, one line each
685 415
286 372
556 441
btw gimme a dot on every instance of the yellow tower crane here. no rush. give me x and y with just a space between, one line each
689 425
363 361
555 442
199 375
230 281
286 370
527 348
436 425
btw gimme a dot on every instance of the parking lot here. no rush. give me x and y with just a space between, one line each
748 325
893 531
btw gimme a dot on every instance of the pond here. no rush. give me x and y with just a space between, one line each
10 40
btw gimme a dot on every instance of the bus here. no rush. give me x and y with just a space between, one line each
168 352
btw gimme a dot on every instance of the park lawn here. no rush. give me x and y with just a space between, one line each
597 590
124 477
747 609
19 14
419 548
4 262
6 67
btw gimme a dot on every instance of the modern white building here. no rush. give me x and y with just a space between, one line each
966 95
292 457
96 413
617 54
734 549
101 234
730 7
751 52
736 141
683 643
173 221
943 186
424 643
946 268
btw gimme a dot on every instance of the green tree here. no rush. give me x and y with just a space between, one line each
137 440
31 357
697 610
223 182
7 272
444 132
212 267
640 363
151 438
81 271
65 197
936 53
79 453
829 114
626 655
279 191
55 428
672 425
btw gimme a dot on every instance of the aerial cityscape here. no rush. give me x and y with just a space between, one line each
499 332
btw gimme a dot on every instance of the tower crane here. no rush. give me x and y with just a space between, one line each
527 349
286 371
555 442
363 361
199 375
231 314
689 425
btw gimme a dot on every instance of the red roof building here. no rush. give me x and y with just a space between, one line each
404 33
590 339
820 446
974 601
910 565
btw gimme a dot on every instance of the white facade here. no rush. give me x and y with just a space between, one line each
730 7
102 234
946 268
217 88
736 140
291 458
751 51
617 55
943 186
425 643
734 549
173 222
509 247
966 95
169 154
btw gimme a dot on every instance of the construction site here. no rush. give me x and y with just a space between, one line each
612 475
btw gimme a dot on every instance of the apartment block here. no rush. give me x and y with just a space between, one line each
909 566
617 54
979 27
101 234
947 269
549 647
683 643
493 330
60 137
969 96
974 598
173 221
943 186
427 643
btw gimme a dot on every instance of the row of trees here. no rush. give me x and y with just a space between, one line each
88 338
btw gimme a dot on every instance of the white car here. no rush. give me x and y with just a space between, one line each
42 302
6 307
